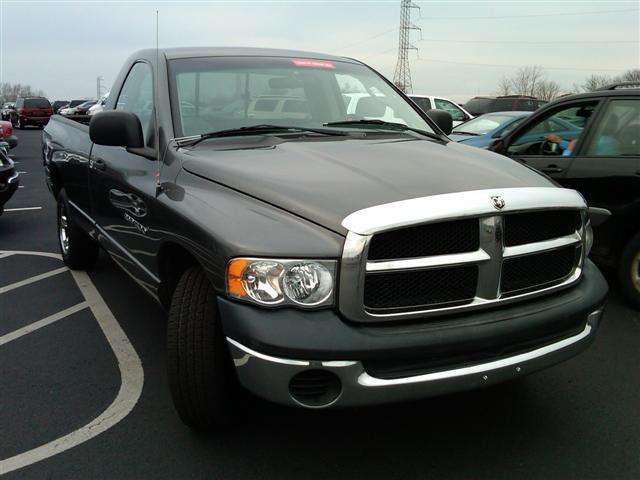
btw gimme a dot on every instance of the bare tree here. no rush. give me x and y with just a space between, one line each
632 75
10 91
594 82
526 79
547 90
504 87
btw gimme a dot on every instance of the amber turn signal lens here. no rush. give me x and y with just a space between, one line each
234 277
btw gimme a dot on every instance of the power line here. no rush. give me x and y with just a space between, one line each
587 69
359 42
524 42
566 14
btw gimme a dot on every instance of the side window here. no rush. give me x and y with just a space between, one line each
423 103
136 97
503 105
555 133
456 114
618 132
19 103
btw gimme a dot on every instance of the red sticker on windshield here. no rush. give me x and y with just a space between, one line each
299 62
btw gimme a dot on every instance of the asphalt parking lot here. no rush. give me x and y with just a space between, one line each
84 394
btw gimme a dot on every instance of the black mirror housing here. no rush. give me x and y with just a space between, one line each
117 129
442 119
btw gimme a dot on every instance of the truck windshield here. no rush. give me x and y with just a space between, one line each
223 93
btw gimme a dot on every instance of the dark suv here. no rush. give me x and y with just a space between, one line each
601 160
31 111
480 105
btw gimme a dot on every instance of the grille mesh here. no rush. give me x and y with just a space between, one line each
521 228
536 270
420 287
424 240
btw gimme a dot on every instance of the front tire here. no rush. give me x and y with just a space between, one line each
79 251
629 271
203 384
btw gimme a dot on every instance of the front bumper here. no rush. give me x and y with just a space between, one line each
9 180
259 340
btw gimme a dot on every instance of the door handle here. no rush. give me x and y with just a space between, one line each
98 164
552 169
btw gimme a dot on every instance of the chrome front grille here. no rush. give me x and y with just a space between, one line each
425 257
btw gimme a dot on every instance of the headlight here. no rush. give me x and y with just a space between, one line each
306 283
588 238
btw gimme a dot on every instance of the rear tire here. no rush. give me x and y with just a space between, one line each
203 384
79 251
629 271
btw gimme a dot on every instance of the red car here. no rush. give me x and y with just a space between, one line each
31 111
6 134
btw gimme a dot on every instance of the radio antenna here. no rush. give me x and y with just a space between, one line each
155 85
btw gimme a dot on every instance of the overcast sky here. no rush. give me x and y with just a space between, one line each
467 46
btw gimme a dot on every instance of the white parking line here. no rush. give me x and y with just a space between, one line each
2 255
32 327
22 172
131 377
21 209
20 186
33 279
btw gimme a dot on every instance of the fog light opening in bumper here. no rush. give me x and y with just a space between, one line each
315 388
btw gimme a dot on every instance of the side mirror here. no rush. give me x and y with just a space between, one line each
442 119
497 145
117 129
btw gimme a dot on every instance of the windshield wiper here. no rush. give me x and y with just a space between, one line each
256 129
462 132
388 125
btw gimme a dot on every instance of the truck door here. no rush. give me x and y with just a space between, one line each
123 187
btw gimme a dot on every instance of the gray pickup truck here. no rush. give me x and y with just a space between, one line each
315 237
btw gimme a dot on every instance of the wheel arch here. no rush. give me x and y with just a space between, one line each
173 260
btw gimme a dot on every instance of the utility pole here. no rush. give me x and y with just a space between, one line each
402 77
98 87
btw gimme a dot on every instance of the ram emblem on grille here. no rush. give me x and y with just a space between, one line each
498 202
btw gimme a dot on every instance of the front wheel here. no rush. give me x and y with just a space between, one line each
203 384
79 251
629 271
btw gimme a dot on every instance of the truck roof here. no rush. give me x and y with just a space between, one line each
191 52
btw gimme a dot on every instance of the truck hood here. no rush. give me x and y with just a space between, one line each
325 180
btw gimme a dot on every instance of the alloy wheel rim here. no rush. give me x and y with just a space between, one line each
64 234
635 271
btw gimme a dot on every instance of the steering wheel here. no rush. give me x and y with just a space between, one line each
548 147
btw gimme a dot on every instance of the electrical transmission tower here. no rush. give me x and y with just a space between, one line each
98 87
402 77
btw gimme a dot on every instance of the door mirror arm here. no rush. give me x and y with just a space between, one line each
146 152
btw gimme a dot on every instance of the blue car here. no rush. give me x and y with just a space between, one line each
482 130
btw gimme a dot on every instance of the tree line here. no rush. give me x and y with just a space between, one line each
10 91
532 81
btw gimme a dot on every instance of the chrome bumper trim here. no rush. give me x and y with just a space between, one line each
368 381
268 376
